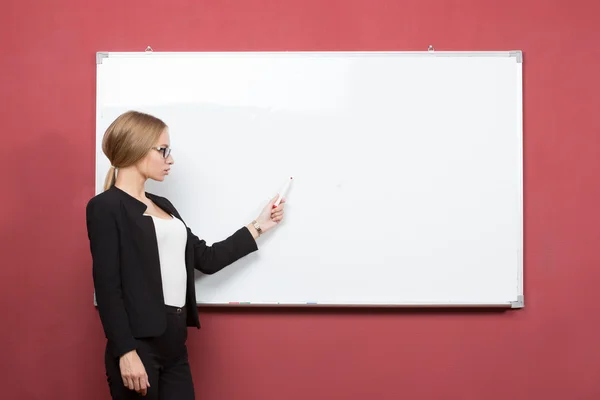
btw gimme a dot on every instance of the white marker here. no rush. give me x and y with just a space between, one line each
283 192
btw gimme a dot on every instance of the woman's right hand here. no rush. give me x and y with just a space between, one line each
133 372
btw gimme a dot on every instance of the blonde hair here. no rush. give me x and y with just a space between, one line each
128 139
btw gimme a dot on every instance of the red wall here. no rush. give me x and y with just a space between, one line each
51 338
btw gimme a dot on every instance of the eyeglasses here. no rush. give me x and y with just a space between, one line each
166 151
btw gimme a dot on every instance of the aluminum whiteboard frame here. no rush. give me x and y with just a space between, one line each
517 54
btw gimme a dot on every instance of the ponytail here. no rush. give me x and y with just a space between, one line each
111 177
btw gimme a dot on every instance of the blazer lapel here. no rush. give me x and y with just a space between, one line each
144 239
189 251
160 203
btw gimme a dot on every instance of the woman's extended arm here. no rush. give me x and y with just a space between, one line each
211 259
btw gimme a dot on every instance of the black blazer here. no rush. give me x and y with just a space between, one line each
126 266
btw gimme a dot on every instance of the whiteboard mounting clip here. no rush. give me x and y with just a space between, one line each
149 49
430 48
519 303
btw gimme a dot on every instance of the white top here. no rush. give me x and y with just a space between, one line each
171 236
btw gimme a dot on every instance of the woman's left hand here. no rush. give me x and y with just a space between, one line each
269 216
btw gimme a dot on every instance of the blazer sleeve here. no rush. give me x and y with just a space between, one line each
104 245
211 259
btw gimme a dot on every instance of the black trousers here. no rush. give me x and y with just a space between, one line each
165 359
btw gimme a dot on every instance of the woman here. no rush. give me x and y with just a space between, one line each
143 263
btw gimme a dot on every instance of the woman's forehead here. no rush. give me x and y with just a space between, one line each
164 139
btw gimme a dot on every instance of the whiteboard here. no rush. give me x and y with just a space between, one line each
407 169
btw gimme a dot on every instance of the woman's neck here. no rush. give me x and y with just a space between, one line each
132 182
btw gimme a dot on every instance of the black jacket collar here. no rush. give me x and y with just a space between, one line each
139 206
